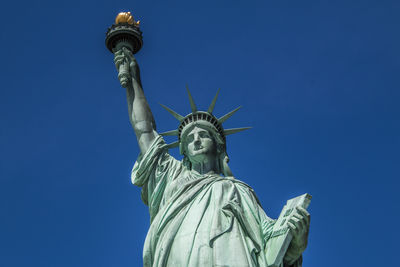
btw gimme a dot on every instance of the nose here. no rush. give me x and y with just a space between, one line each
197 140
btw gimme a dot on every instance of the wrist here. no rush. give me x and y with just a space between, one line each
293 252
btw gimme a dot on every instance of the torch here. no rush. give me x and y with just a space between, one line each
124 33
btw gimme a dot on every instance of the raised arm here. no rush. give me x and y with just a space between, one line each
140 115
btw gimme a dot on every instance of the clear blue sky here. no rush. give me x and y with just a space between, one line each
318 82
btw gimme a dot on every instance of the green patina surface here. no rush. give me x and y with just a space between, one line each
201 215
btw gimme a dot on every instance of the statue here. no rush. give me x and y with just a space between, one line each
201 215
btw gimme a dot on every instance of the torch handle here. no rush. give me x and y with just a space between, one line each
123 74
123 71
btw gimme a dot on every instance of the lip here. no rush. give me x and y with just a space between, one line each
198 148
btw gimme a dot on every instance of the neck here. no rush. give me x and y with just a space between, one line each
204 167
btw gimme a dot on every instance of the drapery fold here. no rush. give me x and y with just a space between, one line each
198 220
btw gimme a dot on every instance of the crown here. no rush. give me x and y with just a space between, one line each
201 117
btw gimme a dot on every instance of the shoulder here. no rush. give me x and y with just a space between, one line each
244 188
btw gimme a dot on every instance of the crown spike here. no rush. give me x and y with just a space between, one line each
173 113
169 133
228 115
212 105
173 145
192 104
235 130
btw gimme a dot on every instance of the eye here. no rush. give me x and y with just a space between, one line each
204 135
189 138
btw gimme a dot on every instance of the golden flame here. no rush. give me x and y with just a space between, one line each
126 17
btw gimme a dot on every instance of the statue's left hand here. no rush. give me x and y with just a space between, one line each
299 225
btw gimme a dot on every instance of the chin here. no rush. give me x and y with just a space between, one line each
201 153
198 158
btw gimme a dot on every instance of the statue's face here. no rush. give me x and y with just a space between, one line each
200 145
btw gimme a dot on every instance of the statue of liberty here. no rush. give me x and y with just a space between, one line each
201 215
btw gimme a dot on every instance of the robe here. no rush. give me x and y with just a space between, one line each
199 220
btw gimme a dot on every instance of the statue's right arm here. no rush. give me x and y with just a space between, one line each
140 115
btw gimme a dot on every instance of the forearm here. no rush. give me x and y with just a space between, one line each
293 263
140 115
292 256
